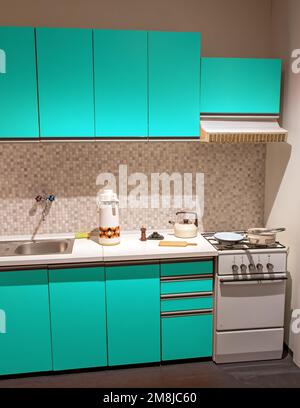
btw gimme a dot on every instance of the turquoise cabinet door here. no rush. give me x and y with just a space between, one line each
78 319
240 85
121 100
187 337
174 84
18 86
25 344
133 314
65 75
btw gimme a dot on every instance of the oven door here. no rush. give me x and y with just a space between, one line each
250 304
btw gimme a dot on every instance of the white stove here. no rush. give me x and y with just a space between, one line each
250 288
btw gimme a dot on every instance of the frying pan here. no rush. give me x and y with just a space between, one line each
229 238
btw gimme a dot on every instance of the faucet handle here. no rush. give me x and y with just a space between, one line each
51 197
38 198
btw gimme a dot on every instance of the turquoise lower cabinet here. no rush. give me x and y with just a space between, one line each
78 318
240 85
121 83
205 267
25 341
186 336
65 76
18 83
133 314
174 84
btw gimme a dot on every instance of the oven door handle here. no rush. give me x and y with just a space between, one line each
251 281
278 280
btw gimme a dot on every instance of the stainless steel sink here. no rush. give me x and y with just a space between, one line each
39 247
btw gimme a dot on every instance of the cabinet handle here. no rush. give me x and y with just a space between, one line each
251 281
181 313
186 295
2 62
185 277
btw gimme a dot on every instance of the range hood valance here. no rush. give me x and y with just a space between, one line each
241 129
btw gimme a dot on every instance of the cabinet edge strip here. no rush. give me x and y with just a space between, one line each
186 295
186 277
181 313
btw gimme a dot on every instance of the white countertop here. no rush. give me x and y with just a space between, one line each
132 248
129 249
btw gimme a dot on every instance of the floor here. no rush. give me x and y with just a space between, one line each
277 374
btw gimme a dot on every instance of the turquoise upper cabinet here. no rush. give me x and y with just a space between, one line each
78 319
174 84
25 344
121 100
18 87
235 85
133 314
65 76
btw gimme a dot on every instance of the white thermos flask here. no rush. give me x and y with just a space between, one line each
109 227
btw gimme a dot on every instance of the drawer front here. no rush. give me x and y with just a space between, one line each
248 345
187 337
186 286
186 268
174 305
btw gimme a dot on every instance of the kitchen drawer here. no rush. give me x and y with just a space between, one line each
187 336
186 286
186 268
173 305
248 345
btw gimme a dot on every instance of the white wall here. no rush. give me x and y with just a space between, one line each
229 28
283 161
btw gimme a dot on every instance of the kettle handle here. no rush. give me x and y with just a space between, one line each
190 212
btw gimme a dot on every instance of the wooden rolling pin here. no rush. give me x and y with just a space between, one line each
176 243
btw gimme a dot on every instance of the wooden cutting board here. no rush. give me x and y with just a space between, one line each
176 244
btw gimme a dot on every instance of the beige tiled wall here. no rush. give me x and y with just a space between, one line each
233 179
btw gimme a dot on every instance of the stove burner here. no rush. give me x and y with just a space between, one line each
244 245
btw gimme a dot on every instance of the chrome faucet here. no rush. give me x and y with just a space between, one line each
45 200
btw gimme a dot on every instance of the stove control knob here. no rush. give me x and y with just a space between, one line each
270 267
251 267
243 268
235 268
259 267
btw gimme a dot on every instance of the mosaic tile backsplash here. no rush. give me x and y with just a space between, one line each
234 177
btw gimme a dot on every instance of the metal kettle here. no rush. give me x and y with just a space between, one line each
185 229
